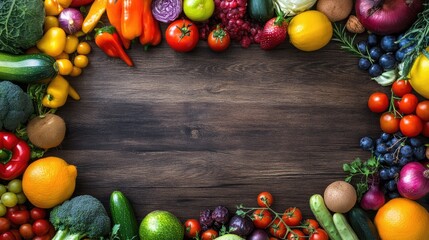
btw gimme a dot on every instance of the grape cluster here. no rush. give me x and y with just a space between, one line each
382 53
393 151
10 195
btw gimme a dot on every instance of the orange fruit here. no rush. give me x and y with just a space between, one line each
49 181
402 218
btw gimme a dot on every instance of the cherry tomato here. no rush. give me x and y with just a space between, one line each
296 234
26 231
319 234
262 218
41 227
182 35
310 225
292 216
389 123
265 199
192 228
4 224
378 102
37 213
19 217
408 103
44 237
411 125
16 234
401 87
425 131
7 236
209 234
273 238
277 229
422 110
218 40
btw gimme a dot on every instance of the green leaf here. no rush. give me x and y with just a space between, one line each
348 179
240 212
346 167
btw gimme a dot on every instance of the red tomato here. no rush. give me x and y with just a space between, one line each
273 238
389 123
292 216
19 217
218 40
44 237
411 125
192 228
182 35
7 236
278 229
37 213
408 103
422 110
26 231
41 227
310 226
401 87
265 199
16 234
262 218
378 102
4 225
319 234
209 234
425 131
296 234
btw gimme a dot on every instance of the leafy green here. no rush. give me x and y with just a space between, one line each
21 24
365 170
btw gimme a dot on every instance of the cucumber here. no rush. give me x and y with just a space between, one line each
260 10
27 68
123 214
362 224
343 227
323 216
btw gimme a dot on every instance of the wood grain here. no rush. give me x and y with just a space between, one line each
185 132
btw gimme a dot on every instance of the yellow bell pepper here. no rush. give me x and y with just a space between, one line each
57 93
65 3
52 7
419 75
53 42
50 22
96 10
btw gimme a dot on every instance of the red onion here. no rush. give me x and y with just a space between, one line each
413 181
387 16
373 199
70 20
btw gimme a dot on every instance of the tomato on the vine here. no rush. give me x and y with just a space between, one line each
292 216
389 123
278 229
296 234
378 102
319 234
209 234
262 218
411 125
401 87
408 103
265 199
422 110
182 35
218 39
192 228
310 225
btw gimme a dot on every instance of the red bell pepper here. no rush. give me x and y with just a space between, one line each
14 156
78 3
108 40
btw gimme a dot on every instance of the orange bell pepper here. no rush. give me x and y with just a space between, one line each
114 14
151 30
131 25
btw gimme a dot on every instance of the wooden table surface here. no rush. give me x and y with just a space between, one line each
187 131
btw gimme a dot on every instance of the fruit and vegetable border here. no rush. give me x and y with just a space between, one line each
379 197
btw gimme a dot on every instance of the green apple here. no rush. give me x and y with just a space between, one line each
198 10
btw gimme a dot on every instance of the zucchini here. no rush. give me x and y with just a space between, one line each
260 10
362 224
323 216
343 227
27 68
123 214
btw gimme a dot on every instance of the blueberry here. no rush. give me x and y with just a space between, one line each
375 70
392 195
400 55
381 148
384 174
406 151
393 172
372 40
415 142
366 143
403 42
420 152
391 185
387 61
375 53
388 43
362 47
404 160
389 159
379 141
385 137
364 63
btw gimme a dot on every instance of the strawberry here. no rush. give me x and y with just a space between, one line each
274 33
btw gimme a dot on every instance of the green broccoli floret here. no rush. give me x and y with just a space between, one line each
15 106
80 217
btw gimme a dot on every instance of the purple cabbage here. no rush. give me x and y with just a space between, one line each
166 10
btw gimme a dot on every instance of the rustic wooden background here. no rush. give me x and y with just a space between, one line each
187 131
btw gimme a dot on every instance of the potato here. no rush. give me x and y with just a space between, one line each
340 196
335 10
46 131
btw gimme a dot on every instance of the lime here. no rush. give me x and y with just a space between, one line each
198 10
161 225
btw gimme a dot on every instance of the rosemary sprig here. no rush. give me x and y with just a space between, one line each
348 41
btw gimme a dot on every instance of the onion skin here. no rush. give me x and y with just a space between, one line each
71 20
387 16
373 199
413 181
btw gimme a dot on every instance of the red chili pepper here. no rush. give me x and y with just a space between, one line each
78 3
14 156
107 39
